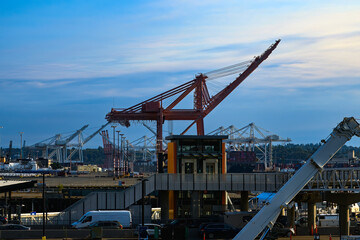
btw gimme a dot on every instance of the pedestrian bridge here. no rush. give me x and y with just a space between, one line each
342 179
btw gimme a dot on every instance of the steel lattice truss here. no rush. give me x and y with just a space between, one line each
335 179
251 138
63 147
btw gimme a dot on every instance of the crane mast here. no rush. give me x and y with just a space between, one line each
267 216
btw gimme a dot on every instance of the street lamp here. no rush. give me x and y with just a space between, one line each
114 145
127 156
118 155
121 153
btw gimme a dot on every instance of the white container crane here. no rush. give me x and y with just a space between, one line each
266 217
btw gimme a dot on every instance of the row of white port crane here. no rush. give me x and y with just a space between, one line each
248 138
251 138
62 147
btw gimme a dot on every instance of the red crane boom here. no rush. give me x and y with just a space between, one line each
153 109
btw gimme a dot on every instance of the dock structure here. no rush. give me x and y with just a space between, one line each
338 186
243 183
197 171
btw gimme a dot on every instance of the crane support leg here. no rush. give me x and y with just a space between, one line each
200 127
269 213
159 147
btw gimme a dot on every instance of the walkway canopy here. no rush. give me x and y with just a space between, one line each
9 185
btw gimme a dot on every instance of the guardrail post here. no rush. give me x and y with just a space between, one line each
180 182
266 175
243 181
219 181
97 201
168 184
206 181
155 182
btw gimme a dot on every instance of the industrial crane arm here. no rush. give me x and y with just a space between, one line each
215 100
96 132
267 216
66 141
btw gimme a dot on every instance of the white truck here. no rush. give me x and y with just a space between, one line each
122 216
265 219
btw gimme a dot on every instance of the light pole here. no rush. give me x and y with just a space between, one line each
21 133
118 155
114 145
121 152
127 156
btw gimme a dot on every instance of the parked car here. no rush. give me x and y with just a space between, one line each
14 227
150 229
219 230
193 223
301 222
106 225
3 220
279 230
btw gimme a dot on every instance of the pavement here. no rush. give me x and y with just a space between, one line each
327 237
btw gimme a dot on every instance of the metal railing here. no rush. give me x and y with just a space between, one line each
335 179
344 179
112 200
221 182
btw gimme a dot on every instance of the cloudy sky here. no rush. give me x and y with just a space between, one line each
64 64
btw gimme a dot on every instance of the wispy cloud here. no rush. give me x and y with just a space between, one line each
57 58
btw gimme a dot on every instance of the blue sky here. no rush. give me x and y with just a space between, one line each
64 64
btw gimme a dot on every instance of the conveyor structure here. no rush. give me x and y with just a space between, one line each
263 221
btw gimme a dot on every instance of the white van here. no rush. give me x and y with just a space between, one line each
122 216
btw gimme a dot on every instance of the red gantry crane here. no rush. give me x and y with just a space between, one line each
154 110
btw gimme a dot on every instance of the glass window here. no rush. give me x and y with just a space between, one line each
87 219
189 167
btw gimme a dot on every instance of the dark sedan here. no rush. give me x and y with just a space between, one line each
219 230
3 220
13 227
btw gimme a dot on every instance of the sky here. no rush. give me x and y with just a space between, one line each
65 64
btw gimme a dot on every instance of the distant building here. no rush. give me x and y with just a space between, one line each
88 168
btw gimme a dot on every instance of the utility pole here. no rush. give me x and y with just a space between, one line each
118 155
114 146
123 144
121 152
127 156
21 133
